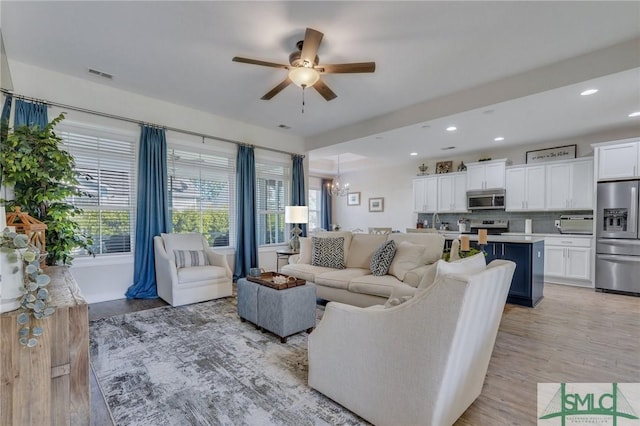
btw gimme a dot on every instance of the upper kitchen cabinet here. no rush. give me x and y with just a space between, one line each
525 188
619 160
570 185
425 194
452 193
486 175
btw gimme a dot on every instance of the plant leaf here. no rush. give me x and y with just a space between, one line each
23 318
37 331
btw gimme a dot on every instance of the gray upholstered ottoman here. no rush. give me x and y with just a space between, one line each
282 312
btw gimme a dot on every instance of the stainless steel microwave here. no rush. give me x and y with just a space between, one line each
493 199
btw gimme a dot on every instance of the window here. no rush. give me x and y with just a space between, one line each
201 192
105 161
315 219
272 195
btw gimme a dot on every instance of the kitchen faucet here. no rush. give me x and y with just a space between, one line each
435 219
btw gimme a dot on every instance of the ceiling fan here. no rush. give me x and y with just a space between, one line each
304 70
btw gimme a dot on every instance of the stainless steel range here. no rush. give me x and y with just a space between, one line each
617 237
493 226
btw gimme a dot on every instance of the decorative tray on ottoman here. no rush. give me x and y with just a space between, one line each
267 279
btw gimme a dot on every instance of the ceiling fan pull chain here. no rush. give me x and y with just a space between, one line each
303 87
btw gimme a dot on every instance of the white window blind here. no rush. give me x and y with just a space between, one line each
272 195
202 193
106 162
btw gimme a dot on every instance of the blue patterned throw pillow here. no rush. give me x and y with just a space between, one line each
187 258
327 252
381 258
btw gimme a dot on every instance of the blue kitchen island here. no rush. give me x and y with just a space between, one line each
527 286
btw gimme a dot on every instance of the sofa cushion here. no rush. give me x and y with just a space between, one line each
201 273
328 252
304 271
305 251
429 276
188 258
382 258
362 248
408 256
186 241
395 301
433 243
377 286
347 235
340 278
466 266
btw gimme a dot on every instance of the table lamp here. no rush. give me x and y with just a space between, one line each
295 215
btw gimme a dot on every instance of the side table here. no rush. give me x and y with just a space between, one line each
285 253
282 312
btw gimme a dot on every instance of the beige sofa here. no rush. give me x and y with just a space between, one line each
355 284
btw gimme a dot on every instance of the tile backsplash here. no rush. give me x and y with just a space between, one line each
542 222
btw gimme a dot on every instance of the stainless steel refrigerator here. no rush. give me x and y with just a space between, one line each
617 237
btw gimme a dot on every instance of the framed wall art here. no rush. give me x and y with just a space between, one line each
376 204
444 166
551 154
353 199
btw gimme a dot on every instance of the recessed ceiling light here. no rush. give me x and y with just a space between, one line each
452 129
498 139
447 148
635 114
589 92
414 154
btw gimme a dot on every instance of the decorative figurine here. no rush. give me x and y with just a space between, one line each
423 169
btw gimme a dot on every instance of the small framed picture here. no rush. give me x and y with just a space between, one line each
353 199
376 204
444 166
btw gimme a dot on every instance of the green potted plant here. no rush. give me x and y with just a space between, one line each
24 261
43 176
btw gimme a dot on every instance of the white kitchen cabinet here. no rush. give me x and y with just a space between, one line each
452 193
567 260
525 189
486 175
570 185
619 161
425 194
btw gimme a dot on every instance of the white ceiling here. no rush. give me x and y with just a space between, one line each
438 63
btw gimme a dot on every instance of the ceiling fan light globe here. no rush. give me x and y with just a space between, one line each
304 76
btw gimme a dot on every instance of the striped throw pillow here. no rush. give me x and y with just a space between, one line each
328 252
187 258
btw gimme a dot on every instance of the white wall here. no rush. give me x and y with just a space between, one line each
108 277
393 184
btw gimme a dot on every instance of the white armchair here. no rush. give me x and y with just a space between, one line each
190 284
419 363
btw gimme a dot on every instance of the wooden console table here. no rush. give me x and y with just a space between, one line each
49 383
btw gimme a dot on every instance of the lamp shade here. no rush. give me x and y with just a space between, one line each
296 214
303 76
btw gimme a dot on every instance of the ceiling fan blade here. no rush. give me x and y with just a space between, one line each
257 62
312 39
324 90
348 68
271 93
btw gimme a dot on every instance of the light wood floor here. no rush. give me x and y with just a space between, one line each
573 335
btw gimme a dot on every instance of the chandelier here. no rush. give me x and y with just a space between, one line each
336 189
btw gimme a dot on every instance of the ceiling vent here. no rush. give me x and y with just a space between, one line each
284 126
100 73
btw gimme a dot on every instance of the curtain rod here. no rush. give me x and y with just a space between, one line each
131 120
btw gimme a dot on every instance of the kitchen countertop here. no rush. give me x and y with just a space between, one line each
557 234
517 238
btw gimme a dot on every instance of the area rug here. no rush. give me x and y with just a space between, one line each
200 365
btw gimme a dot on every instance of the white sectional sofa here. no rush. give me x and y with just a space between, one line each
355 284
